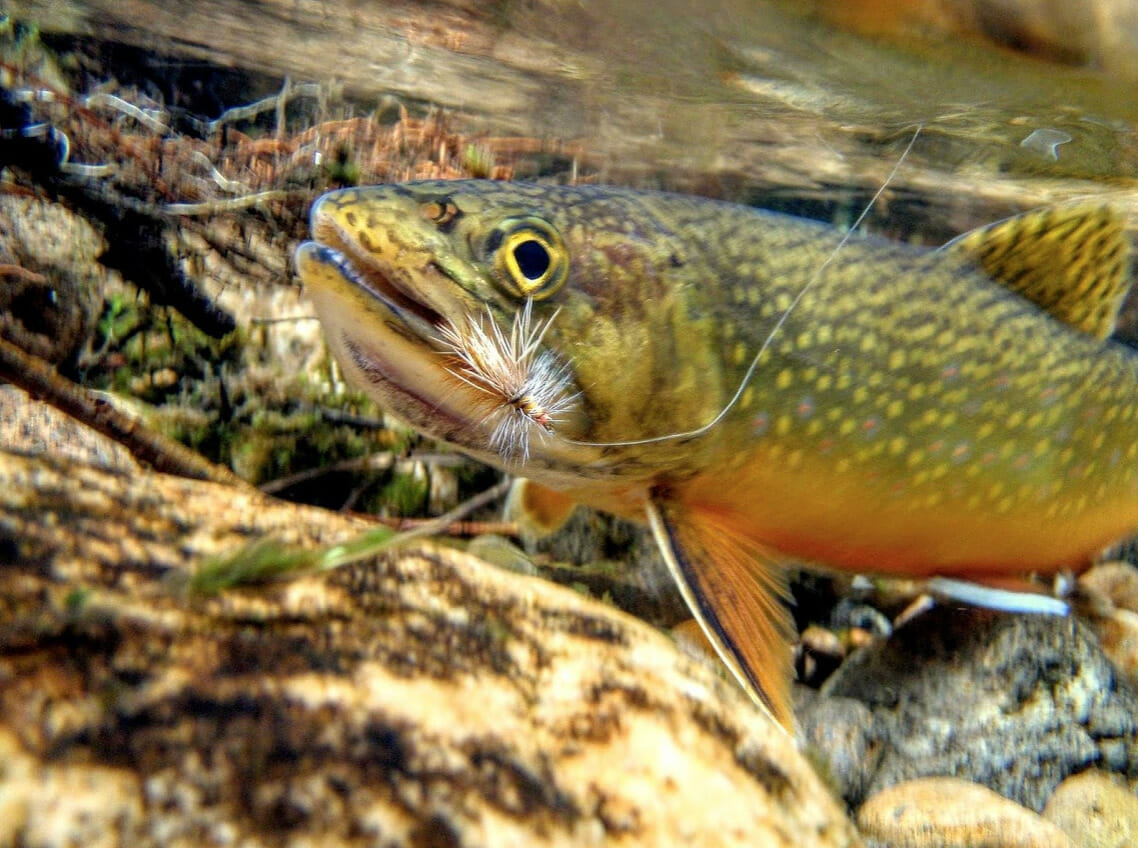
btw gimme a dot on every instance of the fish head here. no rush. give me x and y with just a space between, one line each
531 326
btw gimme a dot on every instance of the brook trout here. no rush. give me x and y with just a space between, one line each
749 389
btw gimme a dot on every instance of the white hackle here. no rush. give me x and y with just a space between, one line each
526 387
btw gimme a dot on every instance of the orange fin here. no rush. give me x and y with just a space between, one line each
739 596
538 510
1071 261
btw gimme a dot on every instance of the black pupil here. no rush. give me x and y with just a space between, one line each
532 258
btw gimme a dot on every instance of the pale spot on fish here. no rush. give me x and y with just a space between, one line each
922 333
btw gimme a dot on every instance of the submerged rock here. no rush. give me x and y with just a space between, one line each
946 812
1016 703
1095 810
418 698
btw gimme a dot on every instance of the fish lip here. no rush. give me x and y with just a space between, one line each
376 279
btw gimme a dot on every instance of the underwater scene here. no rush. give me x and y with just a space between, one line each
569 423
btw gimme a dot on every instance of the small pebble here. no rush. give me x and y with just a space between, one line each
1110 595
1095 810
1114 581
947 812
844 740
849 614
819 653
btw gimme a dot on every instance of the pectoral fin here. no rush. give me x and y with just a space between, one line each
538 510
738 595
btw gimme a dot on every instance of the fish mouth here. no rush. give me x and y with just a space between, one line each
380 321
363 269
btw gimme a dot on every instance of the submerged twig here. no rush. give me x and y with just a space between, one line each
266 560
160 452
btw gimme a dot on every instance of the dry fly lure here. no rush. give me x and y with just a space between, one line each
525 386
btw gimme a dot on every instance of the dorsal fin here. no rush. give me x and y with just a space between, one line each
739 596
1071 261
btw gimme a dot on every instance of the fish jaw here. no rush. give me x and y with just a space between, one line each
384 344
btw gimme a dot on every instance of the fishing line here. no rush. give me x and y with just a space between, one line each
753 367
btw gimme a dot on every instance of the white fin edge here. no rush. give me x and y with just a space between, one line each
1005 600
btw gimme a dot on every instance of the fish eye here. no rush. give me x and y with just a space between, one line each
530 259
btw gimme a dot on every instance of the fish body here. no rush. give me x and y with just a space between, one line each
753 385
